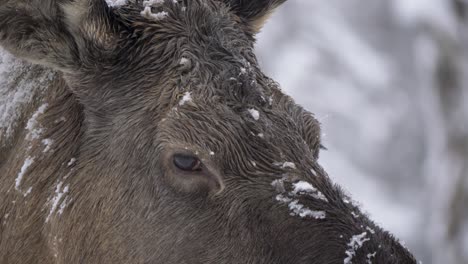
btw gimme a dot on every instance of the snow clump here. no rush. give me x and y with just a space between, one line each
303 187
59 193
354 244
27 163
116 3
186 98
32 125
254 113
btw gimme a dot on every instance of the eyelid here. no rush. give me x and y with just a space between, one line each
193 163
207 180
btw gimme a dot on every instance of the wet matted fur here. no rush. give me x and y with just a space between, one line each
91 177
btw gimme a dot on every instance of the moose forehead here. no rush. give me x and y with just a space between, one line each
169 37
199 50
200 47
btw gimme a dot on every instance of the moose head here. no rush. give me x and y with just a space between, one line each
186 151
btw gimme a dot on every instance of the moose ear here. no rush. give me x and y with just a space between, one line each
254 12
56 33
90 21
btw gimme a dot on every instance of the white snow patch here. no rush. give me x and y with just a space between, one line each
47 143
27 162
302 211
270 100
5 218
289 165
27 192
59 193
17 90
33 126
71 162
61 119
279 186
147 13
184 61
186 98
254 113
303 187
354 244
9 108
63 205
313 172
283 199
353 202
370 256
299 209
116 3
372 231
155 2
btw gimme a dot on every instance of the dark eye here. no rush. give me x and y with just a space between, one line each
187 163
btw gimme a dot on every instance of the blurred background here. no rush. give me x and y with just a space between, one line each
388 80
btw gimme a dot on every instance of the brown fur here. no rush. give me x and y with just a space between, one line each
115 118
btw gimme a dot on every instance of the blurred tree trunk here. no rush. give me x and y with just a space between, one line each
451 86
452 90
461 8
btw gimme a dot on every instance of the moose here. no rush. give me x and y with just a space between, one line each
158 139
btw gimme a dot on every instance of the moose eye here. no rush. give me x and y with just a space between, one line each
187 163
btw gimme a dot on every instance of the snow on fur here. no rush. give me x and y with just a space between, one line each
27 163
354 244
16 94
116 3
58 197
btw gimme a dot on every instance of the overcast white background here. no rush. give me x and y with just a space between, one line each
369 69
